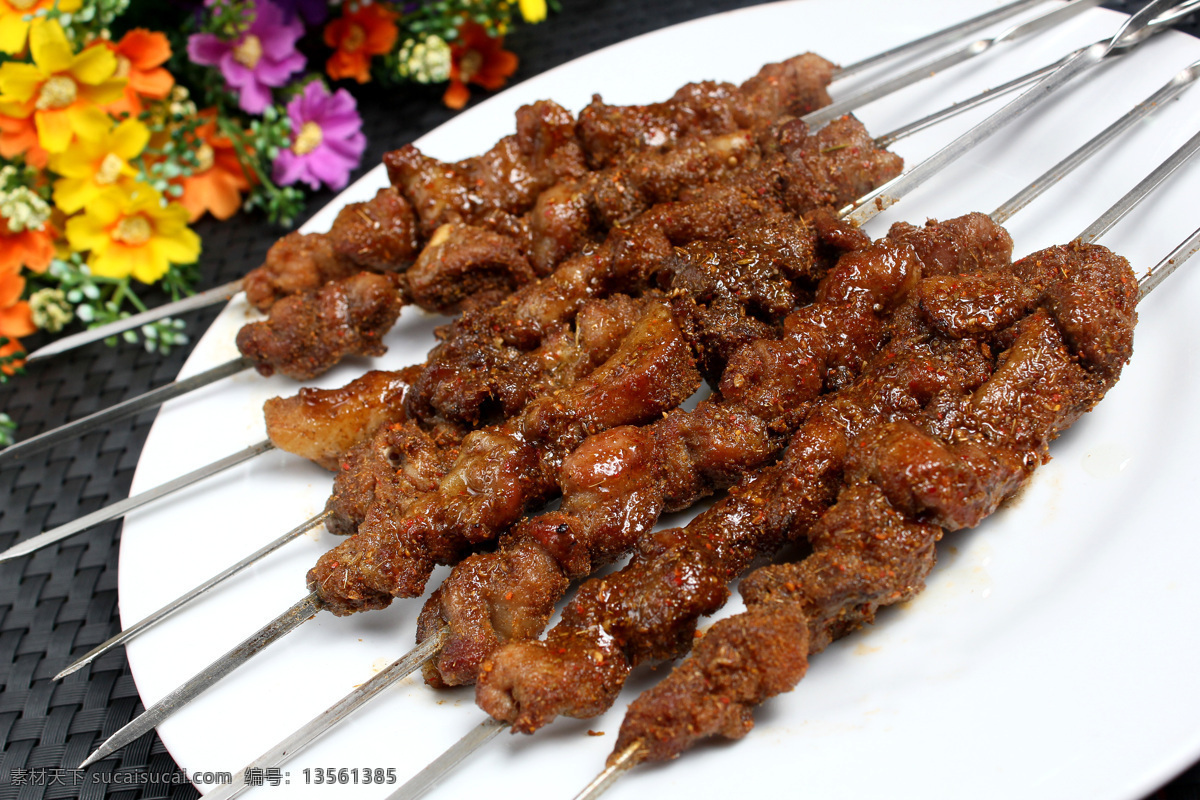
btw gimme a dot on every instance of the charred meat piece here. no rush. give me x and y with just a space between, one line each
307 334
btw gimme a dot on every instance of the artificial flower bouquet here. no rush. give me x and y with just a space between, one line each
115 138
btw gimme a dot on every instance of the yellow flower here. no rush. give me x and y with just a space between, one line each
97 162
133 233
65 88
15 17
533 10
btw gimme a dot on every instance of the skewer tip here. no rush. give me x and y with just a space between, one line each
69 670
625 760
93 758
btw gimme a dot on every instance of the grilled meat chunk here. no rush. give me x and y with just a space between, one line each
307 334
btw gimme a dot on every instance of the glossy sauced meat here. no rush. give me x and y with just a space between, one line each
941 428
621 620
323 424
380 476
829 168
306 335
384 473
467 263
507 179
378 235
504 469
617 483
299 262
791 88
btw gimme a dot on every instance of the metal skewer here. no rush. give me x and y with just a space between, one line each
134 405
944 36
285 623
336 713
123 507
1132 32
1158 24
138 628
1145 187
1048 20
218 294
436 770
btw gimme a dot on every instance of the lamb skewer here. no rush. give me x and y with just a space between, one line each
311 732
281 732
289 620
310 449
440 767
237 365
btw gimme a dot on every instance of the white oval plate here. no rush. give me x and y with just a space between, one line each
1054 652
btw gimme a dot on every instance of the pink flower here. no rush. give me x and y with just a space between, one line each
327 140
264 56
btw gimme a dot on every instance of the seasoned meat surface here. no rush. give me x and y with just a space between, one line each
908 478
380 234
322 424
298 262
306 334
507 178
502 470
792 88
465 261
631 255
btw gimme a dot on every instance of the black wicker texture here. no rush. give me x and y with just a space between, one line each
62 601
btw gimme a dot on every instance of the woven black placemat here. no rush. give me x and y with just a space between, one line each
62 601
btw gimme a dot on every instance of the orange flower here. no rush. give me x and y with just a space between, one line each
16 318
361 32
7 350
18 134
476 58
218 182
30 249
140 56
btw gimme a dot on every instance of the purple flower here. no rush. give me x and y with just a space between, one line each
327 140
264 56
